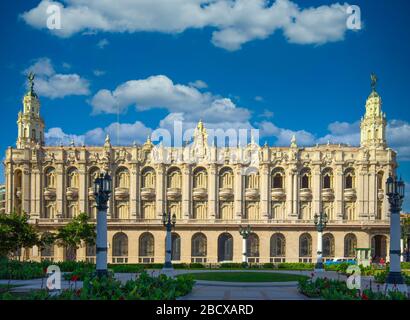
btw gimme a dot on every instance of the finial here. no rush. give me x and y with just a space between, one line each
293 142
72 144
200 125
373 79
30 78
134 144
107 141
266 144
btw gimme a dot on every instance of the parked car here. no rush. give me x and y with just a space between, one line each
336 261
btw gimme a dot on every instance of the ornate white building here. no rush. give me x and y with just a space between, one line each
212 190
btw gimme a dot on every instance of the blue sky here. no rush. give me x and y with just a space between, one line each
234 68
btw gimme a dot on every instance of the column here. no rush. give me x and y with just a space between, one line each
26 189
60 191
289 193
212 191
244 258
186 191
264 191
134 187
160 192
295 193
35 193
372 191
316 190
339 190
82 189
9 188
360 193
238 193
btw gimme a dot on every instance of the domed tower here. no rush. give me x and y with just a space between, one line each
373 124
30 124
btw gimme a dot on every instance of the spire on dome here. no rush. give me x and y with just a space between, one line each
107 143
293 142
30 78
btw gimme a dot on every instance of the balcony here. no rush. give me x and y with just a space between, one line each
200 194
225 194
147 193
305 194
49 194
121 193
328 195
278 194
349 195
173 193
252 194
71 194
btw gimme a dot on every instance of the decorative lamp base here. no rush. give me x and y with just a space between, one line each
102 273
319 267
169 272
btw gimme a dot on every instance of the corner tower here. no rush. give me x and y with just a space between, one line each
30 124
373 124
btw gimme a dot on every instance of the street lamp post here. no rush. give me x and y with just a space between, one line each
169 222
102 191
395 195
320 222
244 232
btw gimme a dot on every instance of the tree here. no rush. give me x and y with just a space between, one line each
16 233
72 234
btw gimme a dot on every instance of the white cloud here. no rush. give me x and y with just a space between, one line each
235 22
283 135
120 133
160 92
258 98
199 84
53 85
99 73
102 43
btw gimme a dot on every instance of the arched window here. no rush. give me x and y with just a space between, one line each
200 178
176 247
120 248
225 247
226 178
122 210
146 245
50 178
305 245
305 178
277 178
92 175
252 211
252 246
252 180
327 179
328 245
123 178
349 179
350 244
174 179
198 247
277 245
148 178
72 178
380 184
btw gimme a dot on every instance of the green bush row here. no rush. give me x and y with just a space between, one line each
144 287
337 290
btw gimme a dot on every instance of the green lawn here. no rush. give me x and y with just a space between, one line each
246 276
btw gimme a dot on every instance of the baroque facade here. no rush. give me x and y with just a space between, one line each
212 191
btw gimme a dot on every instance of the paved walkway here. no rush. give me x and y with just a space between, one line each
218 290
